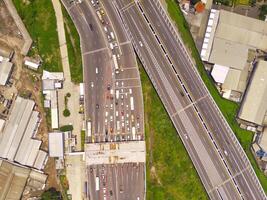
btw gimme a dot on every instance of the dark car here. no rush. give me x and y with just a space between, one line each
97 106
91 27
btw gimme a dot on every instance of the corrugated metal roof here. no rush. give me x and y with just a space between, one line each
40 160
5 70
254 109
25 147
56 144
15 127
242 29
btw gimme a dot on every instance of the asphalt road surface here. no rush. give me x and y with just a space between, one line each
110 182
217 155
113 95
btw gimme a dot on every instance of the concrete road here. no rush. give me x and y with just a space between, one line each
113 95
218 157
110 182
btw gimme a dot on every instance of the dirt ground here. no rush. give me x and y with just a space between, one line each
10 35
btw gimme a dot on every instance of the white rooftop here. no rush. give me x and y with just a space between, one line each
219 73
56 144
5 70
31 64
53 75
111 153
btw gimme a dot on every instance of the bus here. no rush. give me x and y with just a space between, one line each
115 63
97 183
132 103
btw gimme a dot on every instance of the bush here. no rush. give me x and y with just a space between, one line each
51 194
66 112
66 128
68 95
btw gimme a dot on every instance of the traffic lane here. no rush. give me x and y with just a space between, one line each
81 25
220 133
248 188
236 156
117 181
133 23
123 3
203 155
160 62
203 145
151 53
113 16
193 154
128 57
94 29
174 49
97 75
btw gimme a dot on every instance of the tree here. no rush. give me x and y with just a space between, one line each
51 194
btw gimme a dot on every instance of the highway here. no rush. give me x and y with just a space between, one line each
221 163
113 97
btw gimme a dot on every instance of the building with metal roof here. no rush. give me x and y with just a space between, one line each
17 141
12 180
5 71
16 179
56 144
254 106
231 41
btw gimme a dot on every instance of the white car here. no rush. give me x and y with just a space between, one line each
92 84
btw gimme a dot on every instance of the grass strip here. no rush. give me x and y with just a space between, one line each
73 46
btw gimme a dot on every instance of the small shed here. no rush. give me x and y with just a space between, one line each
56 144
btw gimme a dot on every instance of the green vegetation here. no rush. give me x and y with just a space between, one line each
51 194
39 18
170 172
228 108
82 139
65 186
66 111
73 45
263 12
66 128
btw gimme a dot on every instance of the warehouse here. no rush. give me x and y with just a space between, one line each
230 45
253 110
5 71
17 139
15 179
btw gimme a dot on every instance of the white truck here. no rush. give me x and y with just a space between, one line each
132 103
112 35
117 94
118 125
97 183
133 132
116 65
